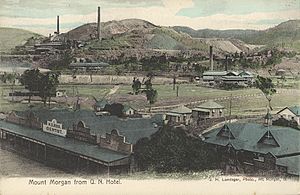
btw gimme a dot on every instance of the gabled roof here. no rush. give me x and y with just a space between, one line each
248 135
232 73
246 74
127 107
181 110
294 109
210 105
101 103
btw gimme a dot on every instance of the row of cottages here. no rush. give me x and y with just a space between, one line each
291 113
257 148
229 77
106 132
184 115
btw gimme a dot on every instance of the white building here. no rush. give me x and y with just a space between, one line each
290 113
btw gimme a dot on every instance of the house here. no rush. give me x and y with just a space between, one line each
100 105
180 115
128 110
208 110
290 113
257 148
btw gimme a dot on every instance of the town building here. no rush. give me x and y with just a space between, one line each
100 105
208 110
291 113
257 148
128 111
181 115
83 131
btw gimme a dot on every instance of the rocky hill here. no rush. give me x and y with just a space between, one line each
286 34
140 34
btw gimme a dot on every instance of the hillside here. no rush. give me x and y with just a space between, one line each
11 37
286 34
140 34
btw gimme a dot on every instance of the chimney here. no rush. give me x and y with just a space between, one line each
57 25
226 63
98 25
211 58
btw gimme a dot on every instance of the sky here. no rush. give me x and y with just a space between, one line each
40 16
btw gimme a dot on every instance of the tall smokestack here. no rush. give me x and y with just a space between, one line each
226 63
57 25
98 25
211 58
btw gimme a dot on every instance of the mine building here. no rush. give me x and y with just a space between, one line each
257 148
92 66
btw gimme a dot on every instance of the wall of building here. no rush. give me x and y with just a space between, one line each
114 141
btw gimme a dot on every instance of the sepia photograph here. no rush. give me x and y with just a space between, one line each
176 97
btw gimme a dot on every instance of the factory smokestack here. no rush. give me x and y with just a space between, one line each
57 25
226 63
98 25
211 58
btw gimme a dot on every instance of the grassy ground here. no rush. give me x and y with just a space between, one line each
167 96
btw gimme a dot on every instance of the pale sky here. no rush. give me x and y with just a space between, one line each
40 16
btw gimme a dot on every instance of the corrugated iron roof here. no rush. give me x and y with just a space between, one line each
182 110
247 136
132 128
76 146
210 105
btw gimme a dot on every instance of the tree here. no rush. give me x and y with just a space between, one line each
151 95
172 150
136 85
62 61
31 80
267 87
10 78
48 85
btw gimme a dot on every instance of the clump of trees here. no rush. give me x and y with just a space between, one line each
43 84
172 150
151 93
136 85
286 123
267 87
9 78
